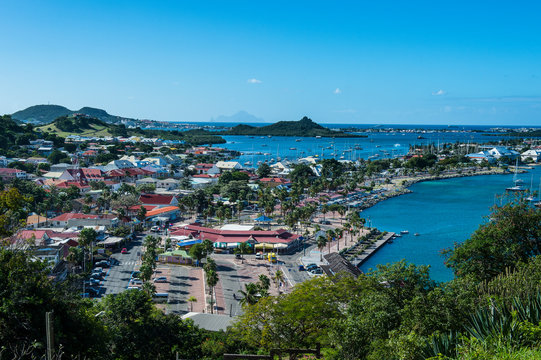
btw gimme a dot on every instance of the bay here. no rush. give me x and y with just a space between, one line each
443 212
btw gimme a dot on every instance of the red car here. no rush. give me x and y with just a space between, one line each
124 251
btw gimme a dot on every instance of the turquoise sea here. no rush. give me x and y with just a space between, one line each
443 212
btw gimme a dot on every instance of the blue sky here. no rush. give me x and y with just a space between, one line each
459 62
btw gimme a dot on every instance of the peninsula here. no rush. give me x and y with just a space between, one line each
302 128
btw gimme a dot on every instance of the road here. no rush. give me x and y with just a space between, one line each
119 274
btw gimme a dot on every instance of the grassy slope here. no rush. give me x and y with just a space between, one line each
97 130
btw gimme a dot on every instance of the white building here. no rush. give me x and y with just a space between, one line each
534 154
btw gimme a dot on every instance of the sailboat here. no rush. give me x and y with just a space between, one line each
518 182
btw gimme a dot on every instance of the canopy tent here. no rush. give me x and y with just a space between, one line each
263 218
189 242
280 246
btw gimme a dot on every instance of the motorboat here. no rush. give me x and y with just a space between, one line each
404 232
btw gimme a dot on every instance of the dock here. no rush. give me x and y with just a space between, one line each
372 248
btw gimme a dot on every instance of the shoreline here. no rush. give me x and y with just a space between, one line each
402 187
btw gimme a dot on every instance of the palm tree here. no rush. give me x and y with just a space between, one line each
191 300
249 295
278 278
330 235
321 242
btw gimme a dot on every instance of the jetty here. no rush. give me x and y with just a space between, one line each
367 246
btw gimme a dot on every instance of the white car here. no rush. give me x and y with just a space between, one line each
155 229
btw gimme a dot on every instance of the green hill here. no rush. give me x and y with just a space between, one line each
302 128
87 126
41 113
44 114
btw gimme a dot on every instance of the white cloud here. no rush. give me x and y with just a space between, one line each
439 93
337 91
254 81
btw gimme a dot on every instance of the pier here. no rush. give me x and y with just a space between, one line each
371 242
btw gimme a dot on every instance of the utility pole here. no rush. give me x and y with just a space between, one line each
49 334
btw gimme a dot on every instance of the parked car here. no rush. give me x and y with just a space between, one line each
160 279
259 256
103 264
95 276
136 282
124 251
310 266
155 228
301 268
93 281
316 271
133 288
135 274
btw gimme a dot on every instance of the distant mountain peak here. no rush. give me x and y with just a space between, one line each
239 117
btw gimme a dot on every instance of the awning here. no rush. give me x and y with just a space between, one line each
263 218
189 242
280 246
220 245
111 240
264 246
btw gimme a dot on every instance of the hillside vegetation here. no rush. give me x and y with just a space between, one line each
92 127
302 128
44 114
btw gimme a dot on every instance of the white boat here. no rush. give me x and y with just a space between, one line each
404 232
518 182
416 234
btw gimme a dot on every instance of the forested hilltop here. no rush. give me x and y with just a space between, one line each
44 114
302 128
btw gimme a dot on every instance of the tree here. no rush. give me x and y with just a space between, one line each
197 251
56 157
141 214
12 211
87 237
250 294
321 242
212 280
191 300
263 170
513 235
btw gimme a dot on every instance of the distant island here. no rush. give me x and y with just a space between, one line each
302 128
239 117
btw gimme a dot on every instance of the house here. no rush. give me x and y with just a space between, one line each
81 220
157 170
163 214
4 161
157 160
158 200
35 221
128 174
83 175
207 169
52 255
533 154
147 180
228 165
481 156
202 181
8 174
501 151
61 167
118 164
173 159
33 237
168 184
275 181
338 267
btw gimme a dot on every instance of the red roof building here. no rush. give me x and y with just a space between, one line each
158 200
280 239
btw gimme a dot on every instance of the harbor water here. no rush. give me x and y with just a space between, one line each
442 212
